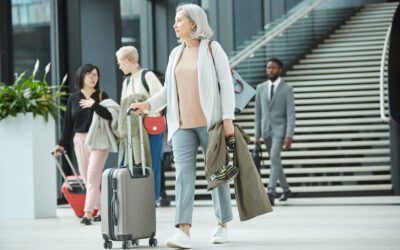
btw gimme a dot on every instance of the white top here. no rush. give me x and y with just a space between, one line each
217 104
135 86
270 83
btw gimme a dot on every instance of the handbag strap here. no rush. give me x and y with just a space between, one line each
210 49
101 96
238 81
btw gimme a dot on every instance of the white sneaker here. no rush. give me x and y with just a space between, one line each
220 235
179 240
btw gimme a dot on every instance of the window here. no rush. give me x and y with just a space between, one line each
130 23
31 34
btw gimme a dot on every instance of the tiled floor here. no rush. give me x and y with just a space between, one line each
319 223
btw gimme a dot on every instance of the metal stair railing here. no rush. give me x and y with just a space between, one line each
382 79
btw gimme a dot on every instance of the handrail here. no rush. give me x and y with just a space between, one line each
381 78
276 31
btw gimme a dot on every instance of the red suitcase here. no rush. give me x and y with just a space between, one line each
73 188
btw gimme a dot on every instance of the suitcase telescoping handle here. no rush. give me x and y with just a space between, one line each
130 145
72 168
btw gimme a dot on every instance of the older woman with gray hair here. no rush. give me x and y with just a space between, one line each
199 93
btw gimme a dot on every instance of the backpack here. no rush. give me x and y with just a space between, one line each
159 75
144 82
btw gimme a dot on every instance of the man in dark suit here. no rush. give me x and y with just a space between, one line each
274 123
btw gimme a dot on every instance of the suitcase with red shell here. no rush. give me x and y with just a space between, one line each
73 188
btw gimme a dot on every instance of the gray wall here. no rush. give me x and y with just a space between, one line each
93 28
248 19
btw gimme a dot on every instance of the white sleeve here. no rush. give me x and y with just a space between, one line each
153 82
224 77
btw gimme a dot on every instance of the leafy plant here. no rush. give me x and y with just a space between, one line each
30 95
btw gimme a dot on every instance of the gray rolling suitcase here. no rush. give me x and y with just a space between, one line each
127 200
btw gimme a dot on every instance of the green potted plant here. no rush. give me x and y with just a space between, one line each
28 94
27 135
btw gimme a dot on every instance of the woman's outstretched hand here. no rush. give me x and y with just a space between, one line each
140 107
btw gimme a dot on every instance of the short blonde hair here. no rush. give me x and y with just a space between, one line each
128 52
196 14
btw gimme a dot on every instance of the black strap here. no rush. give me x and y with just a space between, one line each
145 85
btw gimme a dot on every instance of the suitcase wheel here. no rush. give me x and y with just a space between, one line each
153 242
126 244
107 244
135 242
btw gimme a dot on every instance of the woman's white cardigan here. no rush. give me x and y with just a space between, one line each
217 97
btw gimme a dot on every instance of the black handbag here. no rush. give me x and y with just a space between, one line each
256 154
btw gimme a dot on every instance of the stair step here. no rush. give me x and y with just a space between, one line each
372 16
339 55
336 88
353 39
332 76
336 65
351 49
293 180
346 35
319 61
361 30
338 44
341 100
336 94
333 129
312 189
335 82
333 70
327 170
369 21
307 170
361 25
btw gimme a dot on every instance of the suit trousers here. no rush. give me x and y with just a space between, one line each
91 164
185 143
274 148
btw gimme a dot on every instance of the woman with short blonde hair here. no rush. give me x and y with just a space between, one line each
128 62
129 53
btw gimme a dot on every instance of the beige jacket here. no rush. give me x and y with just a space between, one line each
102 133
251 197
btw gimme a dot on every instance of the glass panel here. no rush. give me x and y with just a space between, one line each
31 34
130 23
293 42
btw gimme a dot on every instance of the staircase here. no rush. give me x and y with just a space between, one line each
341 146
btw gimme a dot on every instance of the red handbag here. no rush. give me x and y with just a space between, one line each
154 125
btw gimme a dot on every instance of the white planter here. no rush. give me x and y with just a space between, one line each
27 170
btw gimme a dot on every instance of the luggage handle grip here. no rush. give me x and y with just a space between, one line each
72 168
60 169
130 145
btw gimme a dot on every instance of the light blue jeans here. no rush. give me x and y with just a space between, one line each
184 145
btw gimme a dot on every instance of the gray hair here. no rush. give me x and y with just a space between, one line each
128 52
196 14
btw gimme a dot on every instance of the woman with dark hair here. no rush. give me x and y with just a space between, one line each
81 106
